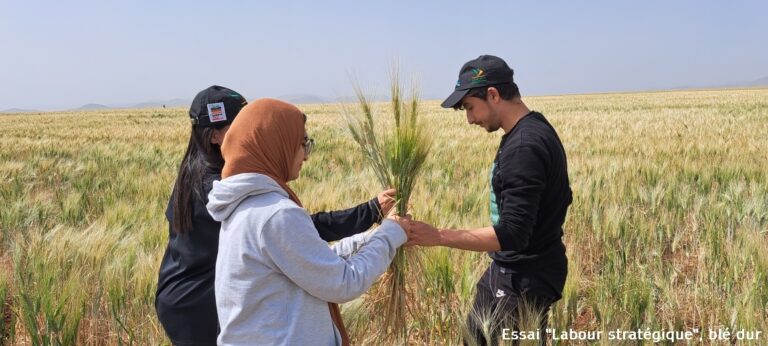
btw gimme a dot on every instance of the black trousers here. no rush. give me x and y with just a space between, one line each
505 303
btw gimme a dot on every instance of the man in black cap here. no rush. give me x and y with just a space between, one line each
530 195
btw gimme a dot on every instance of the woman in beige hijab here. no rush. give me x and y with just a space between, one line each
277 282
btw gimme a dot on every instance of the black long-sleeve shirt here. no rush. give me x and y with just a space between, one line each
532 193
185 300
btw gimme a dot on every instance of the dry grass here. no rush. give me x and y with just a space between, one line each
668 228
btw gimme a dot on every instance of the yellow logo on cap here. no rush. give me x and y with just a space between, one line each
479 76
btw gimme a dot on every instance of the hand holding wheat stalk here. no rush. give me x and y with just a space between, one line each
396 158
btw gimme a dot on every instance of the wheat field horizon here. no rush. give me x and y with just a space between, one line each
668 229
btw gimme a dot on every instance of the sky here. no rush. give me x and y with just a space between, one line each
63 54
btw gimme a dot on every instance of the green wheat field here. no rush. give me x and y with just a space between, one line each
668 229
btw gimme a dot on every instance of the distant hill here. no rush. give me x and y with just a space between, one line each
754 83
19 110
315 99
91 106
368 96
161 103
758 82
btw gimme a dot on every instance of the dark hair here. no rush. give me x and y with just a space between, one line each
202 156
507 92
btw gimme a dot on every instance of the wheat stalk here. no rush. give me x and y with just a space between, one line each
396 158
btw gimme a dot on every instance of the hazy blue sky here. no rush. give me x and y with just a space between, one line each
62 54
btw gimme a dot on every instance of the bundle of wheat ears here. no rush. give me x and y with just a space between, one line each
397 155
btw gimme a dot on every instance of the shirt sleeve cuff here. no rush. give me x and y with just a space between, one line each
375 209
504 239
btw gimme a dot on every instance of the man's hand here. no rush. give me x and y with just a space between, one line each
478 239
386 200
424 234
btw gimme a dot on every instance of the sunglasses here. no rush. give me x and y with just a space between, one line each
308 144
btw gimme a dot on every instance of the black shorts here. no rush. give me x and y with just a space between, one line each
507 302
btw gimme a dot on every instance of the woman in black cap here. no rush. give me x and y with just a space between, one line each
185 300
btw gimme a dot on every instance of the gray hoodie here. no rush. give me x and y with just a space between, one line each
275 276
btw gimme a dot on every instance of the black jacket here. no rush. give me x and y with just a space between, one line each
530 183
185 301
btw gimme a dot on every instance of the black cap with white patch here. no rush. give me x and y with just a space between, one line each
215 106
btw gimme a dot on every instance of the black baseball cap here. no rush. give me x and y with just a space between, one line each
215 106
486 70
